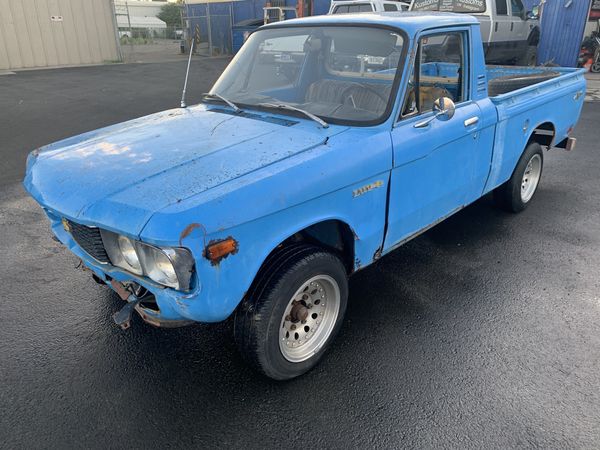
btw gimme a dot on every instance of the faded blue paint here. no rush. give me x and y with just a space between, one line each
262 177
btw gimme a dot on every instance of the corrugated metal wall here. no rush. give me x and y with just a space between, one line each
563 22
46 33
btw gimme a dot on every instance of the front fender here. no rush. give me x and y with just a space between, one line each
345 179
221 286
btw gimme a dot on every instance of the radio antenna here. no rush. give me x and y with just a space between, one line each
187 72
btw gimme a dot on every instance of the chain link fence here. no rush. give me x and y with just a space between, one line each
210 25
143 36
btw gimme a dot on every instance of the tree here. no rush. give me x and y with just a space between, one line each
170 14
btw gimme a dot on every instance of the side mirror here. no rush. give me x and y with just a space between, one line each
443 109
533 15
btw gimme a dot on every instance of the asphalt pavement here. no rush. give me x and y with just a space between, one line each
482 333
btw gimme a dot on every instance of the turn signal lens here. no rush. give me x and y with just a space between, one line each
216 251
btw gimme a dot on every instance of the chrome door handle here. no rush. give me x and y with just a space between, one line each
471 121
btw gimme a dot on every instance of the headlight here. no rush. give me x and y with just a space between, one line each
121 252
128 252
168 266
159 264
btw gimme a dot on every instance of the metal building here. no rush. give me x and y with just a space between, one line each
49 33
563 24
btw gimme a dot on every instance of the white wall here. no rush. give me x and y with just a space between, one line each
82 32
138 8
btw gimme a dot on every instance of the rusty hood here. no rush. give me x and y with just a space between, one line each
119 176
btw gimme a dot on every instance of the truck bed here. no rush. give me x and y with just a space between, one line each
551 103
530 77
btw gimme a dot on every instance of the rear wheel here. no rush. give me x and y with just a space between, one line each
518 191
293 312
529 58
596 65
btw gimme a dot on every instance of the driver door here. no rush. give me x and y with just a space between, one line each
434 172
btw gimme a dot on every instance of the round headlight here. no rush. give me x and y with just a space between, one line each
128 252
158 266
165 270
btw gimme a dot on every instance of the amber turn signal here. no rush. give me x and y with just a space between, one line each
216 251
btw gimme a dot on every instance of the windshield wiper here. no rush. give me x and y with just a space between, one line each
294 108
220 97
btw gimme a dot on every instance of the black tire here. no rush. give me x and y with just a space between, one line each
508 195
502 85
258 319
529 58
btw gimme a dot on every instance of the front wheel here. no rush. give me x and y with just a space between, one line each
517 192
293 312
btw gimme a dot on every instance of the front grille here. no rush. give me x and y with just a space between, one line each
89 239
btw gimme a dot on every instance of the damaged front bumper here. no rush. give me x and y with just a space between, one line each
157 305
140 300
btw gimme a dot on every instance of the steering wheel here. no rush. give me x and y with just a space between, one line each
362 87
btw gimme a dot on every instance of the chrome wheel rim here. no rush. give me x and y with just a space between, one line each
531 178
309 318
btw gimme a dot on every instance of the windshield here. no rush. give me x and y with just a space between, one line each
459 6
343 74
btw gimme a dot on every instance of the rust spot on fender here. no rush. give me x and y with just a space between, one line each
188 230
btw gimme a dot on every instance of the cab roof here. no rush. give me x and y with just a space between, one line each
410 22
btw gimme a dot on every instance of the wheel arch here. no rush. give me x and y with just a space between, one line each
543 134
331 234
534 36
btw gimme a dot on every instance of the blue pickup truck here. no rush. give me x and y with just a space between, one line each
326 143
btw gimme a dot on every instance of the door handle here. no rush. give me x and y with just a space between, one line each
496 27
471 121
512 25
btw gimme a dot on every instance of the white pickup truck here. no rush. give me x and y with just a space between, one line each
509 32
359 6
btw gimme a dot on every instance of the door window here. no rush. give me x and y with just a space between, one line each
389 7
517 9
439 71
501 8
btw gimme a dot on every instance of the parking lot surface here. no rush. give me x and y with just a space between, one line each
482 333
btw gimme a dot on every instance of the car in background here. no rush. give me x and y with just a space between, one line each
509 32
358 6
